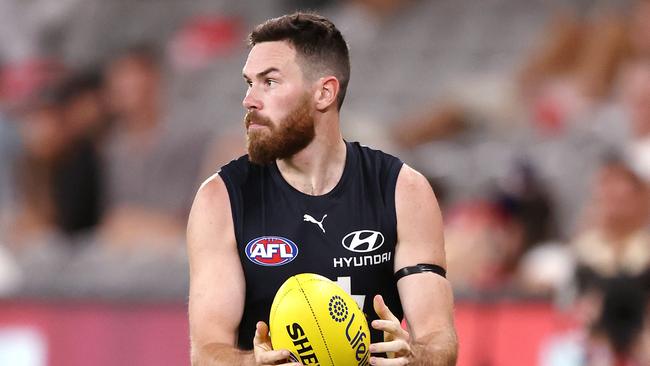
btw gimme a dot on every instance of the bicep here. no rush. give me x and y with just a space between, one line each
217 285
426 298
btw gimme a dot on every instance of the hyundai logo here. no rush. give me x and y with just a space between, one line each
363 241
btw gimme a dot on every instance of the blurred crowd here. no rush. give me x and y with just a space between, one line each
531 119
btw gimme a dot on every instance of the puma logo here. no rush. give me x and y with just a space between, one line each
309 218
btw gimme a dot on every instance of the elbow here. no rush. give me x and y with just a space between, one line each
439 347
450 350
200 355
194 355
453 353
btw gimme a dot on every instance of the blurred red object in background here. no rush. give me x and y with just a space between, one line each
203 39
22 80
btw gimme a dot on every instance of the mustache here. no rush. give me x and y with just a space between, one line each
254 116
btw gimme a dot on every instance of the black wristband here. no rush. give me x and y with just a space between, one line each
419 268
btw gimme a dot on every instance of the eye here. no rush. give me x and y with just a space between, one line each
270 82
249 83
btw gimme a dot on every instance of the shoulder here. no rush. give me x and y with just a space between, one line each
211 196
411 183
415 201
210 218
419 221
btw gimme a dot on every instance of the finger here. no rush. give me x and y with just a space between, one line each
264 353
381 361
391 327
397 346
382 310
272 357
262 335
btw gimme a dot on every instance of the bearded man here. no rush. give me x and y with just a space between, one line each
306 200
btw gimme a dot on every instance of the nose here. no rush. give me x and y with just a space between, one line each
251 101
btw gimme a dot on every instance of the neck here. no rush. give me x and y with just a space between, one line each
317 169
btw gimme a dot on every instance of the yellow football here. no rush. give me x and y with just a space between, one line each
319 323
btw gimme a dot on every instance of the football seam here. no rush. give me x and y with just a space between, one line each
316 321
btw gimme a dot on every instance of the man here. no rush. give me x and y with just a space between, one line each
144 143
352 214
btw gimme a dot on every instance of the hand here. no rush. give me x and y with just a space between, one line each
396 339
263 350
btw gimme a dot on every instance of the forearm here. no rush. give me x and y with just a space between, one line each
439 349
218 354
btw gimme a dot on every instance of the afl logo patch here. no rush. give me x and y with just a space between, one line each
271 251
363 241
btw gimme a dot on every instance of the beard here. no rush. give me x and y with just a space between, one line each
282 140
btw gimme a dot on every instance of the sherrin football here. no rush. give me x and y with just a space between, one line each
319 323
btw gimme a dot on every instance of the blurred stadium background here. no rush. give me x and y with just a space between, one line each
530 117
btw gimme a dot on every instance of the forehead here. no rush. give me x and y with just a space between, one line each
263 56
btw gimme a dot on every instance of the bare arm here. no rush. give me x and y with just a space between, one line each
427 298
217 285
215 305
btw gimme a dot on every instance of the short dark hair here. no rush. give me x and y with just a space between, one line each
316 40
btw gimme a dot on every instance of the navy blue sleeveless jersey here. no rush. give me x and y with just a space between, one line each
347 235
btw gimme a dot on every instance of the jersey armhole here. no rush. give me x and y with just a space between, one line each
235 204
391 188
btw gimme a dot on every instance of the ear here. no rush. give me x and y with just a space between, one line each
326 93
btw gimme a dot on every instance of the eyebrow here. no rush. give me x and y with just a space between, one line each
263 73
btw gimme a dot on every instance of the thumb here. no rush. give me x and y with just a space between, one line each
382 310
262 335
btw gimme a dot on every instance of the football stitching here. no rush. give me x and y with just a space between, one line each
316 320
